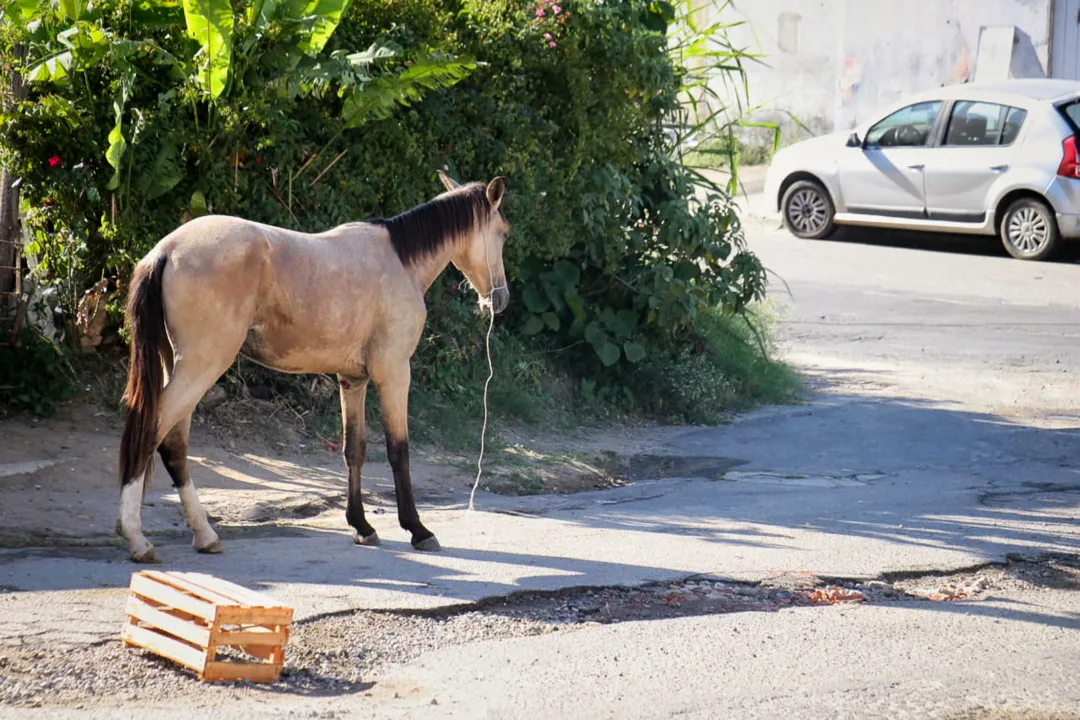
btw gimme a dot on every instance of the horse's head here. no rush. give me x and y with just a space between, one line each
479 257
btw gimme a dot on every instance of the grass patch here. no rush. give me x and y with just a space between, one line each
730 365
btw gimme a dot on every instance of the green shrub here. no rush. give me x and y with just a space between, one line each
36 376
615 257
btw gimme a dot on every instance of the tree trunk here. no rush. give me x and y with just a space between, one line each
9 196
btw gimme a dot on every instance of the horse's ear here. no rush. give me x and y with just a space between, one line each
448 182
495 191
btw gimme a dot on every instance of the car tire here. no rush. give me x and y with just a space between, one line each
808 210
1029 230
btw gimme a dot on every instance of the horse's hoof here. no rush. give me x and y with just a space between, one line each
148 556
213 548
371 540
428 545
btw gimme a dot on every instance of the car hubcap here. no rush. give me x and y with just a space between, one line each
808 211
1028 231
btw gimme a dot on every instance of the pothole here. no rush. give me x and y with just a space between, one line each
801 480
340 653
291 509
654 467
1049 495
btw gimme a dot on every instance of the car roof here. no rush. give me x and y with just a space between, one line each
1031 90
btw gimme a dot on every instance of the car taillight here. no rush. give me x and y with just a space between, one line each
1069 167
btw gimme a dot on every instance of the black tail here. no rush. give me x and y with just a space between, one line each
146 316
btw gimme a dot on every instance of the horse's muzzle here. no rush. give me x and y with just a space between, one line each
500 298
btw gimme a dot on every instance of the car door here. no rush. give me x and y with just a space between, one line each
975 150
885 175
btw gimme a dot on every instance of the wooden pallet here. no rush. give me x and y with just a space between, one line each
188 617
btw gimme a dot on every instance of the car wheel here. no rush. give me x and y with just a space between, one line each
1029 230
808 210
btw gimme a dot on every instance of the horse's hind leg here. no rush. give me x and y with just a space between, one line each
130 523
354 448
188 382
174 453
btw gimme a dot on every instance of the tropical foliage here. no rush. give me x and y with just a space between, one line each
309 113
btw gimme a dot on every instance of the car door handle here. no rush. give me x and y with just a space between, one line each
999 168
916 167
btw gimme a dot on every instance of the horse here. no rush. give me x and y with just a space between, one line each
348 302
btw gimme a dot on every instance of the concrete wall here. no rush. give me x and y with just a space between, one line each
834 63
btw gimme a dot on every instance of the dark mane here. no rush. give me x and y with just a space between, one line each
423 230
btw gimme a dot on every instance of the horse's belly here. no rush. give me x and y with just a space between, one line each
284 352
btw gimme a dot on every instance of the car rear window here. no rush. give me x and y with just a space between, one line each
1071 111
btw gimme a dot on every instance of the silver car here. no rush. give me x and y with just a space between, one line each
976 159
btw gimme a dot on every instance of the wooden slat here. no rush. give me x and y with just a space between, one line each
241 594
250 636
183 629
180 583
228 671
166 595
165 646
233 615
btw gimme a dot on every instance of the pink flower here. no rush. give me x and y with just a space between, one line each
547 36
539 12
556 9
54 161
551 44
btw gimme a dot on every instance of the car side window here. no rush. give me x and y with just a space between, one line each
975 124
907 127
1014 120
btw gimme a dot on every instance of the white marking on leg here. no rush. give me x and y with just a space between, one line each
195 515
131 517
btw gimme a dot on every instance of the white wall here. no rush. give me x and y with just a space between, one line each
834 63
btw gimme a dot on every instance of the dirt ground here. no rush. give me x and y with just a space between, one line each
59 484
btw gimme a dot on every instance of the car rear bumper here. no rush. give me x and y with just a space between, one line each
1069 225
1064 196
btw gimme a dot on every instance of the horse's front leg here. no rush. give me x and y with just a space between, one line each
354 449
393 389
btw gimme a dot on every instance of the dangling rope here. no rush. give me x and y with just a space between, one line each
486 301
491 373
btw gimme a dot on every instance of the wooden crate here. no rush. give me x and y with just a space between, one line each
188 617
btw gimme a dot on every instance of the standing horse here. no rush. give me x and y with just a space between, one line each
349 301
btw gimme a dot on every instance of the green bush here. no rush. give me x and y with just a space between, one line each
36 375
616 255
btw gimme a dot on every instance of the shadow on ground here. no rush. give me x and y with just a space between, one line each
941 242
890 482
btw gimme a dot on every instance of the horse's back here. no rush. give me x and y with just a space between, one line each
296 302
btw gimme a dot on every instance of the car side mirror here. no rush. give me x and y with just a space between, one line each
853 140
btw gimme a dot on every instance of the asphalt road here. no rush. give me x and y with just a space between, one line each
941 434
